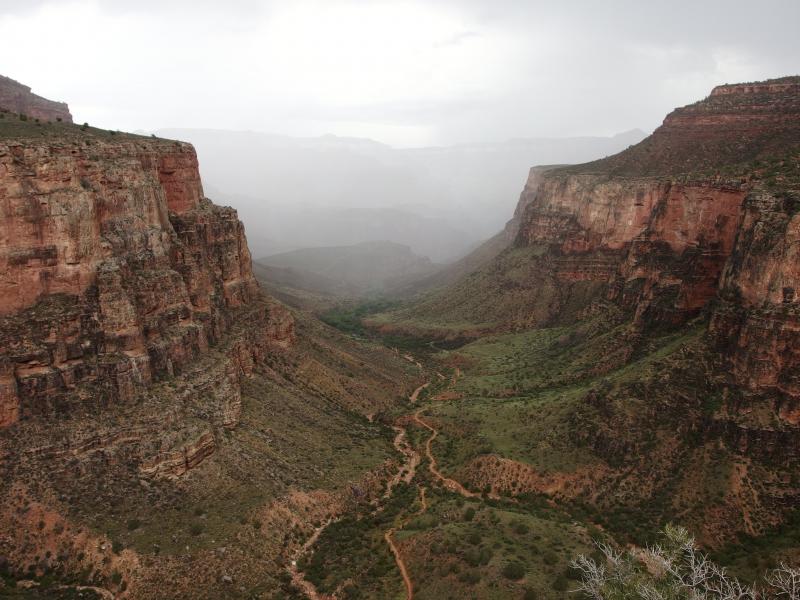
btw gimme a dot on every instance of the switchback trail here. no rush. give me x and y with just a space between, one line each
447 482
405 472
413 397
298 579
398 558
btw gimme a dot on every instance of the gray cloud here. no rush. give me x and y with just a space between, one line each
407 73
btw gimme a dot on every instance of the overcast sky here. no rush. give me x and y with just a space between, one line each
406 73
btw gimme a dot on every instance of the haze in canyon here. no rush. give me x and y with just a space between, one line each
505 305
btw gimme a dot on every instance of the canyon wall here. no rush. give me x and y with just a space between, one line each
18 98
702 215
115 271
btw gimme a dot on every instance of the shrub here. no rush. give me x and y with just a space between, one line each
514 570
133 524
116 578
196 529
561 584
675 569
116 546
469 577
469 514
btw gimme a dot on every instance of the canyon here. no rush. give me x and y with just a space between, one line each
141 366
672 268
624 354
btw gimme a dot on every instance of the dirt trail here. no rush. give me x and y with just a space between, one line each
450 484
298 579
413 397
400 564
398 558
406 471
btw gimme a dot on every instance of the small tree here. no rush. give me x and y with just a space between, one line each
674 570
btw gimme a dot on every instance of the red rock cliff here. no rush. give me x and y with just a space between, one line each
706 208
18 98
114 270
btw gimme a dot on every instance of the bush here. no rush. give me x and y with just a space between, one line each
469 577
469 514
514 570
116 578
684 572
521 528
116 546
530 594
133 524
196 529
561 584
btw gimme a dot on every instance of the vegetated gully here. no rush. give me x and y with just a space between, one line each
405 473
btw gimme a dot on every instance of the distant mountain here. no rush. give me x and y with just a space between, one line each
18 98
331 191
371 267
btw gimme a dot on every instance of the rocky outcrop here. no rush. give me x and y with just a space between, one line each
658 247
757 319
656 225
115 271
18 98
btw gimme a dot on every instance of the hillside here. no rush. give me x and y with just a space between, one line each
646 314
162 420
623 355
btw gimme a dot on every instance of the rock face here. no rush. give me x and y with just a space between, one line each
658 247
18 98
115 271
704 210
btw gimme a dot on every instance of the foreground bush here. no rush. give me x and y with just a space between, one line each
674 570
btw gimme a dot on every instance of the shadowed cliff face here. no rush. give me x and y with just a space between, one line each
114 269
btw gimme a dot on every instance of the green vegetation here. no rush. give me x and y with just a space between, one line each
349 318
353 550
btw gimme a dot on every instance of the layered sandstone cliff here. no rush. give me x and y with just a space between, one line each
18 98
115 271
703 214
